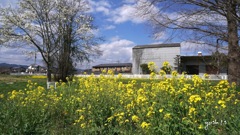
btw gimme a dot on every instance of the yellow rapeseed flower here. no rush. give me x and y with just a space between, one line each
141 99
83 125
167 116
149 114
135 118
162 72
221 102
145 125
39 77
200 126
81 117
206 76
194 98
152 66
174 73
192 110
209 95
223 106
160 110
236 101
109 119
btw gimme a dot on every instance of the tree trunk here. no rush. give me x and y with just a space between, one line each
49 73
233 47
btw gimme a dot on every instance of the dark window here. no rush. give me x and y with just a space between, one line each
192 69
211 69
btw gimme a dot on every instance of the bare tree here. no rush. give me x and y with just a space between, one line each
77 38
204 21
50 26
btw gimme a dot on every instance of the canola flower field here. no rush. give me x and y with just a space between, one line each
109 105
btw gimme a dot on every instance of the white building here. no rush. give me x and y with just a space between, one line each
158 53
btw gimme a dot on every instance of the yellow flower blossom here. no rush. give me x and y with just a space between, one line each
194 98
83 125
135 118
174 73
221 102
145 125
192 111
167 116
2 96
160 110
200 126
162 72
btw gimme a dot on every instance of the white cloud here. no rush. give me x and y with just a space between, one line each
160 36
103 9
135 11
16 56
109 27
6 3
126 13
116 50
129 1
191 48
102 6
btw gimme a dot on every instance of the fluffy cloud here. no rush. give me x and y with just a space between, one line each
124 14
102 6
116 50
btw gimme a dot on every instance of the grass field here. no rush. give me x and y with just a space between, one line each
108 105
9 83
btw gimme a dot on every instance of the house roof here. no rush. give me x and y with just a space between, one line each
157 46
196 57
205 56
113 65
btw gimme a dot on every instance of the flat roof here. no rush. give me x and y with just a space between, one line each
157 46
113 65
195 56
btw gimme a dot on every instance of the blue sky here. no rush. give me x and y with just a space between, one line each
119 27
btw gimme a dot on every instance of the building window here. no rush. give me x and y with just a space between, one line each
210 69
192 69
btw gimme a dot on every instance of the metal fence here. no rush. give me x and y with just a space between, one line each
141 76
23 73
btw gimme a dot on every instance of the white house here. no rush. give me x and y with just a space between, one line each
158 53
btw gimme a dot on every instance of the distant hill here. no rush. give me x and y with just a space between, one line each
6 65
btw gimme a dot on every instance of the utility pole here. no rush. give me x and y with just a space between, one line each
35 57
217 52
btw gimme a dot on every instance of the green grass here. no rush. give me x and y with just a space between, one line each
9 83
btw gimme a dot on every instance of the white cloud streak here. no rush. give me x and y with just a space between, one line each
16 56
109 27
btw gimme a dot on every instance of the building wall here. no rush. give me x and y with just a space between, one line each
201 63
115 69
156 55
